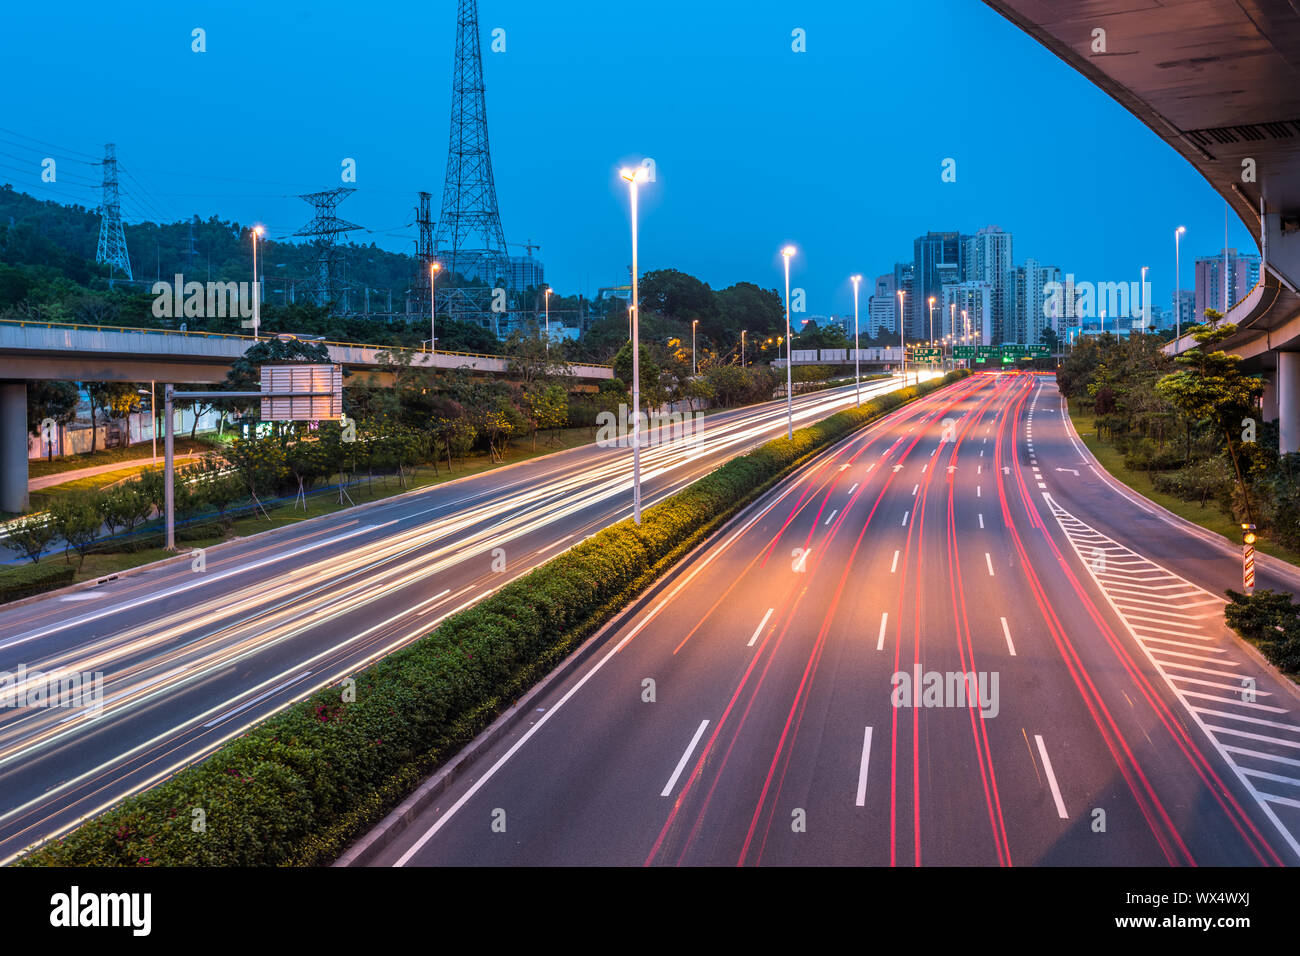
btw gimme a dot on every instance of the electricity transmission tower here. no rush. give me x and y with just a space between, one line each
324 231
112 240
469 240
423 247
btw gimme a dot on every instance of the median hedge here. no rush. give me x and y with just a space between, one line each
1271 621
28 579
297 788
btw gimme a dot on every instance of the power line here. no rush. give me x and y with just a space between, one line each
90 160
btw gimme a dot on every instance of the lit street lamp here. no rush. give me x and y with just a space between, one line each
742 348
633 178
931 320
1178 301
548 319
694 323
786 253
902 341
1146 302
257 305
434 269
857 369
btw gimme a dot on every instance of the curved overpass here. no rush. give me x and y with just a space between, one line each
1219 81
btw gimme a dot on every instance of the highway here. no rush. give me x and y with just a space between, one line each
1108 721
191 657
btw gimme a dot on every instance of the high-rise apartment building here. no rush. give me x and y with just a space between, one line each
1241 271
936 260
988 258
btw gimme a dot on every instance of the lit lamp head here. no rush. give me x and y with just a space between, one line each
1180 230
788 251
259 231
634 174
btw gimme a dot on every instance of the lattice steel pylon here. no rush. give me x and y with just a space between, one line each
112 240
423 248
469 241
324 230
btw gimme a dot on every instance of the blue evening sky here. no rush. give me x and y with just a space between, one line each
837 150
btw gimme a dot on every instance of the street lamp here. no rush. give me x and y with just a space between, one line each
257 305
694 323
1146 301
548 318
786 253
931 320
434 269
857 364
634 177
1178 301
742 348
902 342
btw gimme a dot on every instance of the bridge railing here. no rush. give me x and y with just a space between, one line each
22 323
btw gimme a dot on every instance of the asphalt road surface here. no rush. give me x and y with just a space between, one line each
192 656
793 694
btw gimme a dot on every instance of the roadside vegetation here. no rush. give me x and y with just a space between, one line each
297 788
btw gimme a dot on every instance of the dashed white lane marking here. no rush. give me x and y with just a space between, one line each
1051 778
905 514
681 764
862 770
1006 632
831 518
761 624
988 559
981 520
977 491
854 488
880 641
1125 578
915 490
249 703
894 567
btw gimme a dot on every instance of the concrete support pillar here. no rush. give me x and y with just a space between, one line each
13 446
1288 400
1268 404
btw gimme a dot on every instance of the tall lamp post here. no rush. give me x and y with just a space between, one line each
694 323
742 348
548 318
902 341
257 298
434 269
1178 299
1146 301
634 177
932 321
786 253
857 364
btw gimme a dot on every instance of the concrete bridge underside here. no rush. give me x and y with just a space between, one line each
1219 81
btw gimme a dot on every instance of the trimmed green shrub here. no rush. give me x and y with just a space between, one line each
295 789
1270 621
28 579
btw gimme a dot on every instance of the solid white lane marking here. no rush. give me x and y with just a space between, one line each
1006 632
862 770
761 624
989 561
831 518
1051 777
681 764
880 642
894 567
981 520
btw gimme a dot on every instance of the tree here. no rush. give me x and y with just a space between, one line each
55 401
651 393
30 537
679 296
548 408
1211 388
76 519
745 306
117 399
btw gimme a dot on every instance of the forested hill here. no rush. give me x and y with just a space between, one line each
38 232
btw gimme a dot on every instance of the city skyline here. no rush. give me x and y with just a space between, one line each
1011 175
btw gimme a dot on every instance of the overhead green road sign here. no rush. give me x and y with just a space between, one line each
963 351
985 352
923 355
